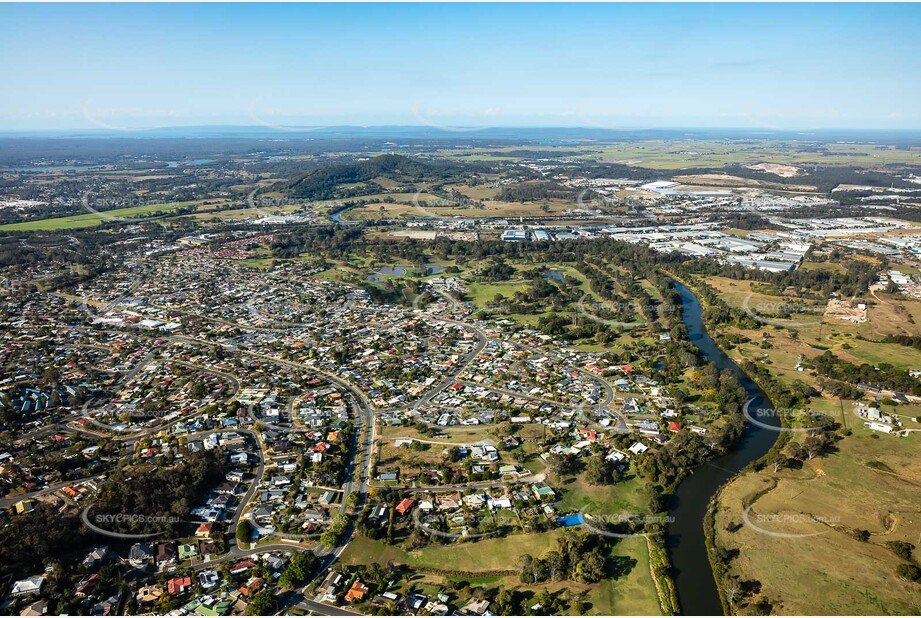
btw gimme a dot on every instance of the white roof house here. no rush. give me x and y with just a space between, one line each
30 585
638 448
499 503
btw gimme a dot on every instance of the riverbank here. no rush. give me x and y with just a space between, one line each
688 552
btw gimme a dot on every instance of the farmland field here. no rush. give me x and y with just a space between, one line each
671 155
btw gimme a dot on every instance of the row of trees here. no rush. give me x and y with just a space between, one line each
883 376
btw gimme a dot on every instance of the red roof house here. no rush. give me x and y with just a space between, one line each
178 585
356 593
405 505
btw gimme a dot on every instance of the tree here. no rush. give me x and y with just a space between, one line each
505 603
796 451
199 390
556 565
287 582
525 566
329 538
813 445
263 604
778 462
600 471
557 464
352 499
416 539
244 531
591 568
679 395
901 549
732 590
299 570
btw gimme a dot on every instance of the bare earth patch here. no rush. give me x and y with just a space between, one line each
784 171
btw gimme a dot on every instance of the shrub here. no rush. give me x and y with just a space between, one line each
909 572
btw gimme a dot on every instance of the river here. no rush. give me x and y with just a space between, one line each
697 593
336 216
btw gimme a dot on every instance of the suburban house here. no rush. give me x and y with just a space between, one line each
404 505
356 593
30 585
178 585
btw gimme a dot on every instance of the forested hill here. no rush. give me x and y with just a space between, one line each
322 183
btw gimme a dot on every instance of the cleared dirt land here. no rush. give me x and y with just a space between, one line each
784 171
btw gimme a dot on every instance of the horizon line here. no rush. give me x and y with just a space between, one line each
470 129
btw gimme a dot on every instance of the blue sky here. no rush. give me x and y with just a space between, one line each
781 66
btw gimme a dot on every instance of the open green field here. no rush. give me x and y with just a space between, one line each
482 293
833 267
811 333
479 192
484 555
258 263
92 219
457 434
526 455
679 154
626 497
377 208
632 595
877 353
806 519
872 483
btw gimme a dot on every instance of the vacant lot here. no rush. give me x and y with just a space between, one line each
431 206
784 171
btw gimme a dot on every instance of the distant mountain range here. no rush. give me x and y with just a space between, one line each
551 134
